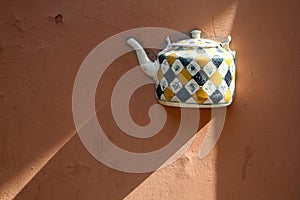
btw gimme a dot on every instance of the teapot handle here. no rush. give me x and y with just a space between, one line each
226 46
168 40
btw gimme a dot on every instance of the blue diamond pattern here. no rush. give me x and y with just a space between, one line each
185 91
228 78
170 75
200 77
183 94
216 96
200 50
217 61
161 58
185 61
159 92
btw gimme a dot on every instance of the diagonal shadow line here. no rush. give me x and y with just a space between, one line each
65 144
56 152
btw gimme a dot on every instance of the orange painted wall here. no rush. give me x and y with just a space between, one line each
41 157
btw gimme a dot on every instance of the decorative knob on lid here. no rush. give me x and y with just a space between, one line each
195 34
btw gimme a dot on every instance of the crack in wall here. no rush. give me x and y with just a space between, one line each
248 155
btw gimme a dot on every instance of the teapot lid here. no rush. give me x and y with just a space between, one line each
196 41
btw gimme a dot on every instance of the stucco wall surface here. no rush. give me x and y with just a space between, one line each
42 45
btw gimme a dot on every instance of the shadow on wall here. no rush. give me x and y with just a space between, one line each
42 157
258 152
78 175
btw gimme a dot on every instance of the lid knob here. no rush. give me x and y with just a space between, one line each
195 34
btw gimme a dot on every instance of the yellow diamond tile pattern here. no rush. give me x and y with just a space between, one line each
184 76
160 74
171 58
216 78
200 96
228 96
223 73
169 94
228 60
202 60
233 77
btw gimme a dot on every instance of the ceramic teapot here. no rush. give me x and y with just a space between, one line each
196 72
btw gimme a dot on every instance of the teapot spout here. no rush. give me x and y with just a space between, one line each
149 67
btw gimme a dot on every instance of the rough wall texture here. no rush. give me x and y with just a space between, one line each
42 44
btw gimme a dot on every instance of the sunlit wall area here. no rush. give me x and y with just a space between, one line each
42 45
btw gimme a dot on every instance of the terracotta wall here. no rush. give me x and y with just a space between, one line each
41 157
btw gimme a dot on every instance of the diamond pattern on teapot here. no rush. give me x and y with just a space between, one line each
177 67
207 79
193 68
